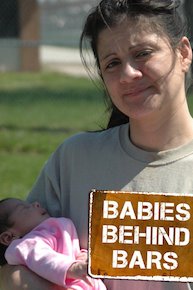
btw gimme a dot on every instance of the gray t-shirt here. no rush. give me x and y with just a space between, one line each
107 160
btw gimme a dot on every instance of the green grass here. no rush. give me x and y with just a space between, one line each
37 112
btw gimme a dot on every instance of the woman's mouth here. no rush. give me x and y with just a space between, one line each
133 93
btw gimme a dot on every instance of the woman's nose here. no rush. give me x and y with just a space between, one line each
129 73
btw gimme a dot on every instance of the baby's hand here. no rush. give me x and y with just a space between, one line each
82 256
78 270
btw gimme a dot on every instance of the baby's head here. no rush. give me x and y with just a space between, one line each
17 218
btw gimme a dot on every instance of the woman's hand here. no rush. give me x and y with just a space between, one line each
78 270
21 278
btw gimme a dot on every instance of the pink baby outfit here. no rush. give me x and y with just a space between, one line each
49 250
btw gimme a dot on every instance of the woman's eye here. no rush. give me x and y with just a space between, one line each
143 53
112 64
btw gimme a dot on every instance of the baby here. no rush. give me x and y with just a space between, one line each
46 245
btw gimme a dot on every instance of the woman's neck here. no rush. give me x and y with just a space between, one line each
159 134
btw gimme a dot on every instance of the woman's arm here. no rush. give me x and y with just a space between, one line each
20 278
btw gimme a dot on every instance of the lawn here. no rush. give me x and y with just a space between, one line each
37 112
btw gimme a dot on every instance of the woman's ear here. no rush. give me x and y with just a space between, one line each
6 238
185 50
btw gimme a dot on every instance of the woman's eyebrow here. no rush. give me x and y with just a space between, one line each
140 44
104 57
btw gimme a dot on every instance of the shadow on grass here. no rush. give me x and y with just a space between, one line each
35 129
42 94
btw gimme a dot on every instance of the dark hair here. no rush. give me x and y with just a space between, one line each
4 225
164 16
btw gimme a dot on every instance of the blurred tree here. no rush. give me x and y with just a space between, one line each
29 32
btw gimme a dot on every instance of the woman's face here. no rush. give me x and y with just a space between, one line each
141 72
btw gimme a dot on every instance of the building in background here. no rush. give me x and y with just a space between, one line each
19 35
27 26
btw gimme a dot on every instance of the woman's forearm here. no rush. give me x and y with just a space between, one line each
20 278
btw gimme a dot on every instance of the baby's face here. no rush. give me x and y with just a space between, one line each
23 215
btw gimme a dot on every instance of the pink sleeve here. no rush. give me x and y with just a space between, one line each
38 255
50 252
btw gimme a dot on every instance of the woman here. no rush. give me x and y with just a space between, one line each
143 58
